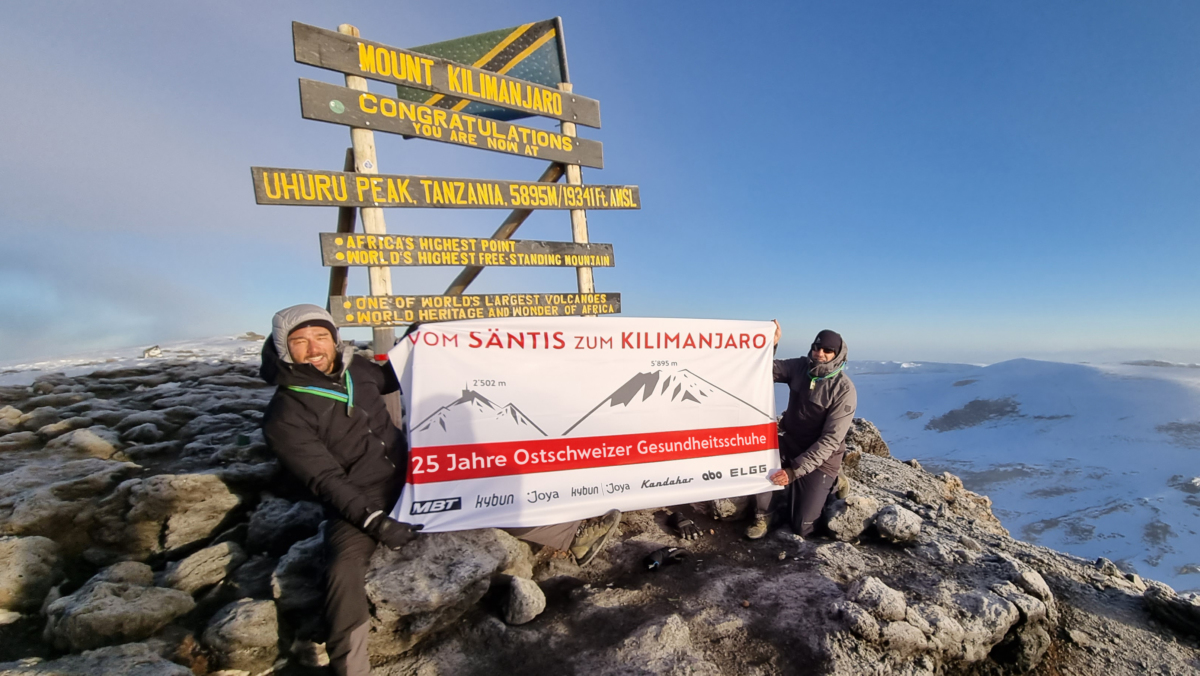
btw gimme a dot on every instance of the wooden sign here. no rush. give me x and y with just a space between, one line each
315 188
354 56
532 52
342 105
340 249
400 310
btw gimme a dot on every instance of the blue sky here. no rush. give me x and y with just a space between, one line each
949 181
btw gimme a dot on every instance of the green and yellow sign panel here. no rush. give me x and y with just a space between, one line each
401 310
431 80
347 249
342 105
316 188
534 52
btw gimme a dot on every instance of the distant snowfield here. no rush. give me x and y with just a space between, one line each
1090 459
237 348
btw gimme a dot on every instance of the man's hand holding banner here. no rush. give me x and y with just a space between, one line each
530 422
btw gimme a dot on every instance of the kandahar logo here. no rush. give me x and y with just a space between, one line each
646 483
434 506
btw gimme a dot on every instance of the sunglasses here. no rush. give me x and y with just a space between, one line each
818 348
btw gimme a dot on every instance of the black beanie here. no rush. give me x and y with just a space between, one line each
316 322
828 340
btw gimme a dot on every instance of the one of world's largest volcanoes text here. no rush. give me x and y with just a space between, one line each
431 464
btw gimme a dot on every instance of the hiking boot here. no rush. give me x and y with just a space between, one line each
759 528
592 535
843 487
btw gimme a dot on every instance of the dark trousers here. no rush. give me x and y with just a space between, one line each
349 551
802 500
346 606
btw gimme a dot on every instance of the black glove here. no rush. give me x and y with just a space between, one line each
389 532
665 556
688 530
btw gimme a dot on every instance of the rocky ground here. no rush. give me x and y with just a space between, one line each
145 529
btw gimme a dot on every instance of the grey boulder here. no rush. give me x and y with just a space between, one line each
204 568
848 518
879 599
55 430
131 659
29 567
10 418
94 442
38 418
525 601
166 512
897 524
15 441
296 582
1179 611
57 501
432 582
277 523
146 433
985 619
244 635
115 606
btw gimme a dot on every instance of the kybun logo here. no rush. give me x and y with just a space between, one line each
434 506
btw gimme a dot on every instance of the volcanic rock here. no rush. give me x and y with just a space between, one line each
244 635
897 524
277 523
203 569
115 606
29 567
131 659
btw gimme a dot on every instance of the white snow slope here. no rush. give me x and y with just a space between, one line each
1093 460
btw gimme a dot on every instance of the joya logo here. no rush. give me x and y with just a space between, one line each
433 506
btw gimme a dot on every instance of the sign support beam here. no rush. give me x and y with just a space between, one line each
339 277
365 162
579 229
505 231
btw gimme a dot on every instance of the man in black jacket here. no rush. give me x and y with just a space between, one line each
821 405
329 426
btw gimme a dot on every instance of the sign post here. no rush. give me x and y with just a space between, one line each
505 231
579 230
466 92
338 277
363 142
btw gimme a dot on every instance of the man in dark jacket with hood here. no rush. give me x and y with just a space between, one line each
329 426
821 405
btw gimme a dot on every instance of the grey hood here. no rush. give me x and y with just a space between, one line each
289 318
822 370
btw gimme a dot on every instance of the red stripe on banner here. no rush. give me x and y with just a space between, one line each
431 464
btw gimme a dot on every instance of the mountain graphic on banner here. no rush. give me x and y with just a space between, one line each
475 413
682 397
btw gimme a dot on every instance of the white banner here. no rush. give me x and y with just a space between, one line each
532 421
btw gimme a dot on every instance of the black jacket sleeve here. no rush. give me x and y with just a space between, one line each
391 382
783 369
293 438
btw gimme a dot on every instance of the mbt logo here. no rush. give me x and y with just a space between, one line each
434 506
